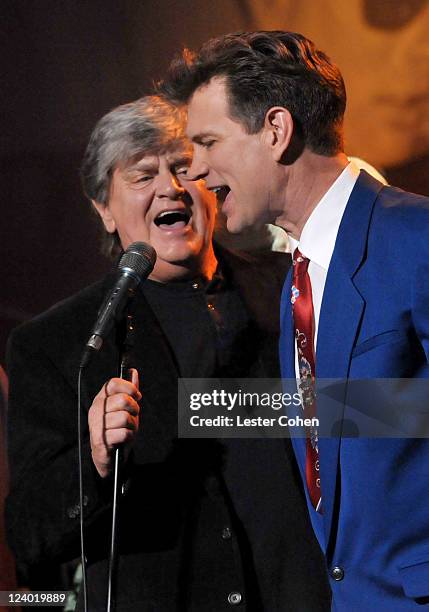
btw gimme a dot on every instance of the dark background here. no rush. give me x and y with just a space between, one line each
65 64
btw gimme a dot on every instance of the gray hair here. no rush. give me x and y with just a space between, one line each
148 126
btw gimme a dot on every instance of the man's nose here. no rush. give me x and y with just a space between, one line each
198 169
169 187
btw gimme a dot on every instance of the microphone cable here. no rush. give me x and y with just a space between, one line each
81 505
136 264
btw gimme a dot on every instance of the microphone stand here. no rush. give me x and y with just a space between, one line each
125 342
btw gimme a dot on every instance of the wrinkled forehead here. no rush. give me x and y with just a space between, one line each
179 152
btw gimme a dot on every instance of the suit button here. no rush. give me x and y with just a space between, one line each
337 573
234 598
226 533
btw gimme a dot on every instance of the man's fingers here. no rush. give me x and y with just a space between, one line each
113 419
135 378
109 416
119 385
101 451
122 419
118 436
121 401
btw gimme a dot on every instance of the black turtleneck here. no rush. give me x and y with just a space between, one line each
203 322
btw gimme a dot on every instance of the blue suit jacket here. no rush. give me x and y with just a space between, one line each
374 323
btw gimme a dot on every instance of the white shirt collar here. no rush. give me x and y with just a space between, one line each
319 233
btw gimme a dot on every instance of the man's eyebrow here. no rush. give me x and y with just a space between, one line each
141 166
198 138
180 158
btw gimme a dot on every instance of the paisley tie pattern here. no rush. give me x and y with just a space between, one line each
303 317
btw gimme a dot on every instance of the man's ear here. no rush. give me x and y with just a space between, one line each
106 216
278 127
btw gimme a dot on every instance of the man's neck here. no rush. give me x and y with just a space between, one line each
310 177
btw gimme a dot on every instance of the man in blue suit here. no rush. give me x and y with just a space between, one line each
265 114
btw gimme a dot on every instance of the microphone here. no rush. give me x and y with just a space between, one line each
134 266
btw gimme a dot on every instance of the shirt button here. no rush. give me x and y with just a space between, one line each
337 573
125 487
73 511
226 533
234 598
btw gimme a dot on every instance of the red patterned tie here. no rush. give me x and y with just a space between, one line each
303 317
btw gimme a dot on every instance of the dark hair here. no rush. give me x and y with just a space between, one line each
265 69
150 125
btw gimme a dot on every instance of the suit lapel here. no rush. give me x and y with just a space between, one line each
151 355
341 312
342 304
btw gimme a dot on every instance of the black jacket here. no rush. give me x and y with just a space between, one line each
200 519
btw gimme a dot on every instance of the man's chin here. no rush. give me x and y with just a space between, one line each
168 270
234 226
240 226
178 254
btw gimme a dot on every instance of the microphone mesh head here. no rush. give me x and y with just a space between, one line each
140 258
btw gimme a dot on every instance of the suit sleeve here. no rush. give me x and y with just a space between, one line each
42 510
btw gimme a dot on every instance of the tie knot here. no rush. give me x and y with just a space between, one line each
300 263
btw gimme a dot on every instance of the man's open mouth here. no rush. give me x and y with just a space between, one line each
172 218
221 192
